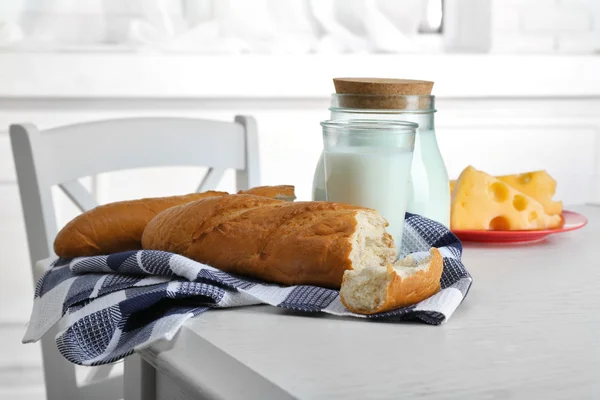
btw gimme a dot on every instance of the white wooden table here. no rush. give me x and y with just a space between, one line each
529 328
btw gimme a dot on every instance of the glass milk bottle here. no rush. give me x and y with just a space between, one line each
429 183
367 163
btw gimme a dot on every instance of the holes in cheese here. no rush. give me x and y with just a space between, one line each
533 216
500 223
524 178
536 184
519 202
483 202
499 192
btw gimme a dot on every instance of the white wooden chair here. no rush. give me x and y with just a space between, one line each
60 156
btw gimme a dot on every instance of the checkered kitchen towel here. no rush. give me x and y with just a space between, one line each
117 304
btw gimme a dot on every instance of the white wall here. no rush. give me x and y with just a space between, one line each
546 26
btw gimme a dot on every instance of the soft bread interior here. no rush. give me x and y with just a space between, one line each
371 245
366 290
408 266
285 197
281 192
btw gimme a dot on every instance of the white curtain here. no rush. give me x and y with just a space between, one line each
214 26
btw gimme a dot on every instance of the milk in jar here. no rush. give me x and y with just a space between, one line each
368 163
398 100
358 177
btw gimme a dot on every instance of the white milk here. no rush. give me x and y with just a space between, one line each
371 177
430 187
430 193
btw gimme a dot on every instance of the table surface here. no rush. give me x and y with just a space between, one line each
529 328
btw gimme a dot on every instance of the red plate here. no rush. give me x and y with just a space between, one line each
573 221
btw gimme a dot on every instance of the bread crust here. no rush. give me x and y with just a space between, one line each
401 292
281 192
118 226
115 227
289 243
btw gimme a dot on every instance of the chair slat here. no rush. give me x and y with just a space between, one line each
79 195
211 179
97 374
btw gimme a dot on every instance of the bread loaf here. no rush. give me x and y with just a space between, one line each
378 289
289 243
116 227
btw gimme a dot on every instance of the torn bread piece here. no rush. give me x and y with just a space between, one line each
280 192
376 289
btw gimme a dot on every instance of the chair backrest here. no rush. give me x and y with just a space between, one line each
61 155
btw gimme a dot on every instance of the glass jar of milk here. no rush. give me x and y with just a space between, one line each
429 184
367 163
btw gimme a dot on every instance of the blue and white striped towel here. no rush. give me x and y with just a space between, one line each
117 304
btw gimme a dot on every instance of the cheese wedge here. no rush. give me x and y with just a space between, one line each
482 202
536 184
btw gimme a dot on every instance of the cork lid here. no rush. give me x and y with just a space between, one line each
382 93
382 86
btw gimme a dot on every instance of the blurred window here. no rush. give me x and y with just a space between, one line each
434 16
223 26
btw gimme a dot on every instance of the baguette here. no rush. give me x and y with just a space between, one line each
378 289
117 227
290 243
